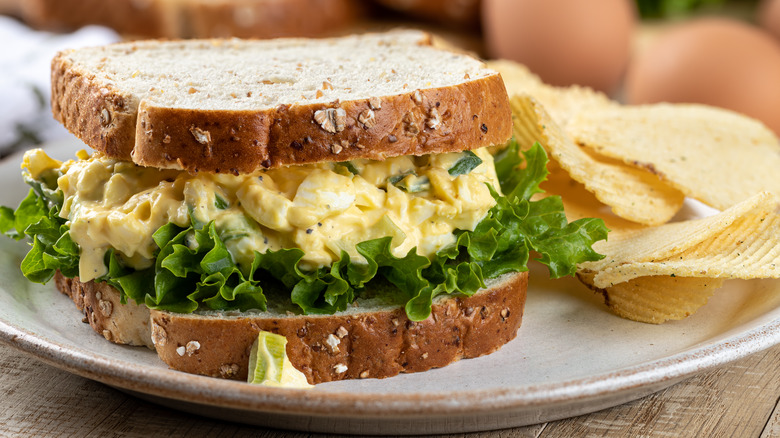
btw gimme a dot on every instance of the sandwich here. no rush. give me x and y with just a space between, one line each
360 197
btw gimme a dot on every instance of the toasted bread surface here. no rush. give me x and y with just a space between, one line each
233 106
366 341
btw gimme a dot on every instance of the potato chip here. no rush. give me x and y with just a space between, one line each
742 242
713 155
562 103
632 194
656 299
579 203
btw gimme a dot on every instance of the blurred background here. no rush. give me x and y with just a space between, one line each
724 53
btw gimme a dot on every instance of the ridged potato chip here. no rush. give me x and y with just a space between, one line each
741 242
579 203
657 299
713 155
562 103
633 194
641 162
667 272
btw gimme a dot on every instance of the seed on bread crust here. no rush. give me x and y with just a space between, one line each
337 148
332 120
375 103
105 307
333 342
417 96
105 117
229 370
159 335
192 347
410 125
367 118
434 120
201 136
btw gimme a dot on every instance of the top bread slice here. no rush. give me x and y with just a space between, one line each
238 106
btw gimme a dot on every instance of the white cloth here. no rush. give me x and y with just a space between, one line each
25 78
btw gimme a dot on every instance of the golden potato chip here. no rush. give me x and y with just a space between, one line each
560 102
656 299
716 156
741 242
632 194
578 203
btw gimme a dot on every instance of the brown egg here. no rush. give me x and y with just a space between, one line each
714 61
563 41
769 16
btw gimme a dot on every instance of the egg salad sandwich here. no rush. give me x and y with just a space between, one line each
340 193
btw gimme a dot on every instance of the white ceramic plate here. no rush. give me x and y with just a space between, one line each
571 357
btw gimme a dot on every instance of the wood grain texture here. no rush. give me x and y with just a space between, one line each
732 401
772 428
737 400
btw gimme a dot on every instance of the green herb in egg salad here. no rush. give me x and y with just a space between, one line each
438 224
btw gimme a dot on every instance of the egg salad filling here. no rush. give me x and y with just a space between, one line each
441 223
322 209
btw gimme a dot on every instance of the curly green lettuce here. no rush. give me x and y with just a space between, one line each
194 270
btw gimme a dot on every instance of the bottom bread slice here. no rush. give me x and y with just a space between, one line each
372 339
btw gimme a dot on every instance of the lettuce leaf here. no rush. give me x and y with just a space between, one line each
194 270
52 248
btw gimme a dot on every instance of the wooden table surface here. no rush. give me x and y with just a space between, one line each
737 400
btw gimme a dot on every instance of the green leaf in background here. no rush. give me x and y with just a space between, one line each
674 8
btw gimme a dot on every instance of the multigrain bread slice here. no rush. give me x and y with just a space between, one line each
266 18
139 18
238 106
371 339
195 18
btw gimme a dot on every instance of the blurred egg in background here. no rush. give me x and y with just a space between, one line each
769 16
563 41
715 61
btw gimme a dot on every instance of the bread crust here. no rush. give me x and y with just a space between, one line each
374 344
263 19
469 115
118 323
139 18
